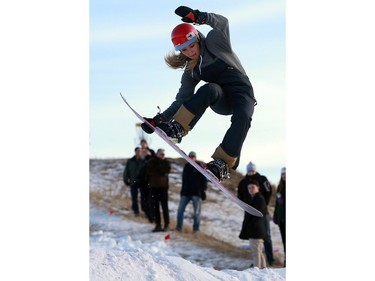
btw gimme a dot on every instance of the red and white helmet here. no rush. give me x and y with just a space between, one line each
183 35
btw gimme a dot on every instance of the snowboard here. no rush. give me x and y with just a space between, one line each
202 170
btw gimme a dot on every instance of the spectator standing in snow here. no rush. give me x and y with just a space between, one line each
266 191
144 190
157 171
253 227
130 177
279 215
147 152
194 186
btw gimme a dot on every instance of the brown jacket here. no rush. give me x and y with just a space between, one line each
157 171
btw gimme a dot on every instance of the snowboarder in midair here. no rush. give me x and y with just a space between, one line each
228 90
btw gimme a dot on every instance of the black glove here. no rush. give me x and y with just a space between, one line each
191 16
203 195
153 121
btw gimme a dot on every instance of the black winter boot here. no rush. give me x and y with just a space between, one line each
173 130
219 168
157 228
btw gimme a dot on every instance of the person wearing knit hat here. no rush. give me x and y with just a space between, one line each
192 154
266 190
251 167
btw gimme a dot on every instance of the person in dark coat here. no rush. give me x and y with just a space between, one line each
266 191
194 186
130 177
147 154
145 192
279 215
253 227
157 171
146 151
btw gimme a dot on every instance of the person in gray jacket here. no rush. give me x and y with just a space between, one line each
228 90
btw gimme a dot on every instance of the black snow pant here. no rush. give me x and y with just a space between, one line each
145 202
159 196
228 92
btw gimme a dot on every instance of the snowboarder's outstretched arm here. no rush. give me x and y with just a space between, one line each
191 16
217 22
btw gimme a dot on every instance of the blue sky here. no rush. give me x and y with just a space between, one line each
128 41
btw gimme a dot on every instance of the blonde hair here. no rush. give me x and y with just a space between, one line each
177 61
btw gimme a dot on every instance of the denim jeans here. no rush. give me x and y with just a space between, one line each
197 211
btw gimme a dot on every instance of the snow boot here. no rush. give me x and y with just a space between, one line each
219 168
222 163
230 160
184 117
173 130
180 126
157 228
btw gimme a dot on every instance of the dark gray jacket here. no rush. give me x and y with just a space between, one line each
131 171
218 44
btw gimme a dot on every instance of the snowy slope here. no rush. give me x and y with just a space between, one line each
118 253
123 248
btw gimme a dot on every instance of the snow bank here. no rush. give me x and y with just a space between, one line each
117 253
133 260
